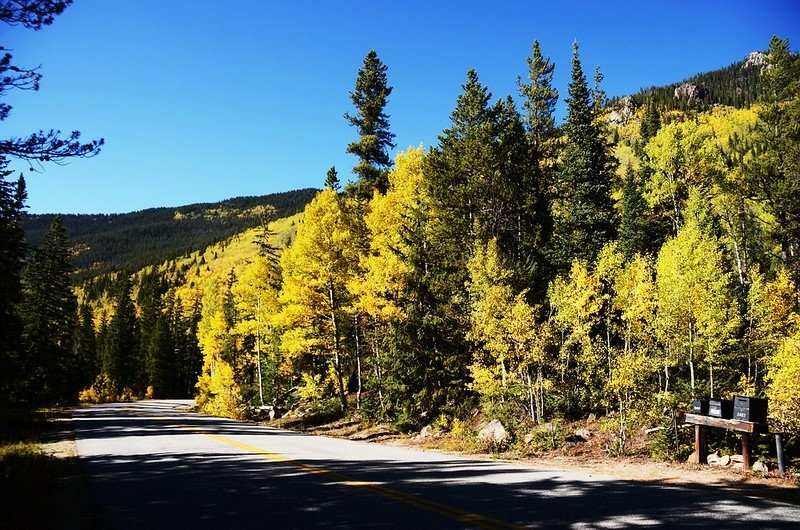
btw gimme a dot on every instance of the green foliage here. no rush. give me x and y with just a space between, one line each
584 218
375 139
135 240
48 310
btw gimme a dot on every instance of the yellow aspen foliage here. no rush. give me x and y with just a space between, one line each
680 156
782 389
315 301
384 272
576 300
772 317
508 362
218 391
635 301
697 312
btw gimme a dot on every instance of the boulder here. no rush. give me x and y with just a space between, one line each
756 59
493 433
584 433
737 459
425 433
724 460
693 459
689 92
528 438
760 467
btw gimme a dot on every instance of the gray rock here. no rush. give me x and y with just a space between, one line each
723 460
738 459
713 458
689 92
493 432
425 433
528 438
756 59
760 467
585 434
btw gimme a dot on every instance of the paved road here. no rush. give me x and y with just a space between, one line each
152 466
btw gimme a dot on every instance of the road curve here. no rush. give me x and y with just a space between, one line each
152 465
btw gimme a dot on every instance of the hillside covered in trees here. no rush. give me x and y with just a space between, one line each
620 264
130 241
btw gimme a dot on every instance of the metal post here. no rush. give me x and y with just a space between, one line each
779 450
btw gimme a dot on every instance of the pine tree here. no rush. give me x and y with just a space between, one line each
582 208
332 179
535 220
633 227
48 311
651 123
774 174
372 123
85 345
121 359
12 253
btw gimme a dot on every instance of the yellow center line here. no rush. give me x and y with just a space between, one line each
464 516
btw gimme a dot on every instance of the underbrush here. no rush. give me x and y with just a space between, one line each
27 474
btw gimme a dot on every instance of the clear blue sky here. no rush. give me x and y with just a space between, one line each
203 100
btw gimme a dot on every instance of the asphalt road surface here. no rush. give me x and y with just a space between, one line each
151 466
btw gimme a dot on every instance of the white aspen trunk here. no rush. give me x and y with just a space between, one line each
258 350
336 354
358 363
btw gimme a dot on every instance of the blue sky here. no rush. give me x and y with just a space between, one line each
203 100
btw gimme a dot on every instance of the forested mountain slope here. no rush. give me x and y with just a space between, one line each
133 240
737 85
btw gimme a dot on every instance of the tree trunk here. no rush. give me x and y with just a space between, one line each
358 362
337 358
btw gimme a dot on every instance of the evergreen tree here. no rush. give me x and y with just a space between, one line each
536 223
48 310
372 123
774 173
582 209
332 179
633 227
651 123
121 358
12 253
85 344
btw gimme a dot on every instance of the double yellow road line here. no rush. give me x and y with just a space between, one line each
470 518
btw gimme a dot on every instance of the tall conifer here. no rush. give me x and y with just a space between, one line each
48 310
374 137
582 210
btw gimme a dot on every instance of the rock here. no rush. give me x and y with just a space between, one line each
528 438
756 59
712 458
724 460
585 434
693 459
624 111
689 92
738 459
425 433
494 433
760 467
